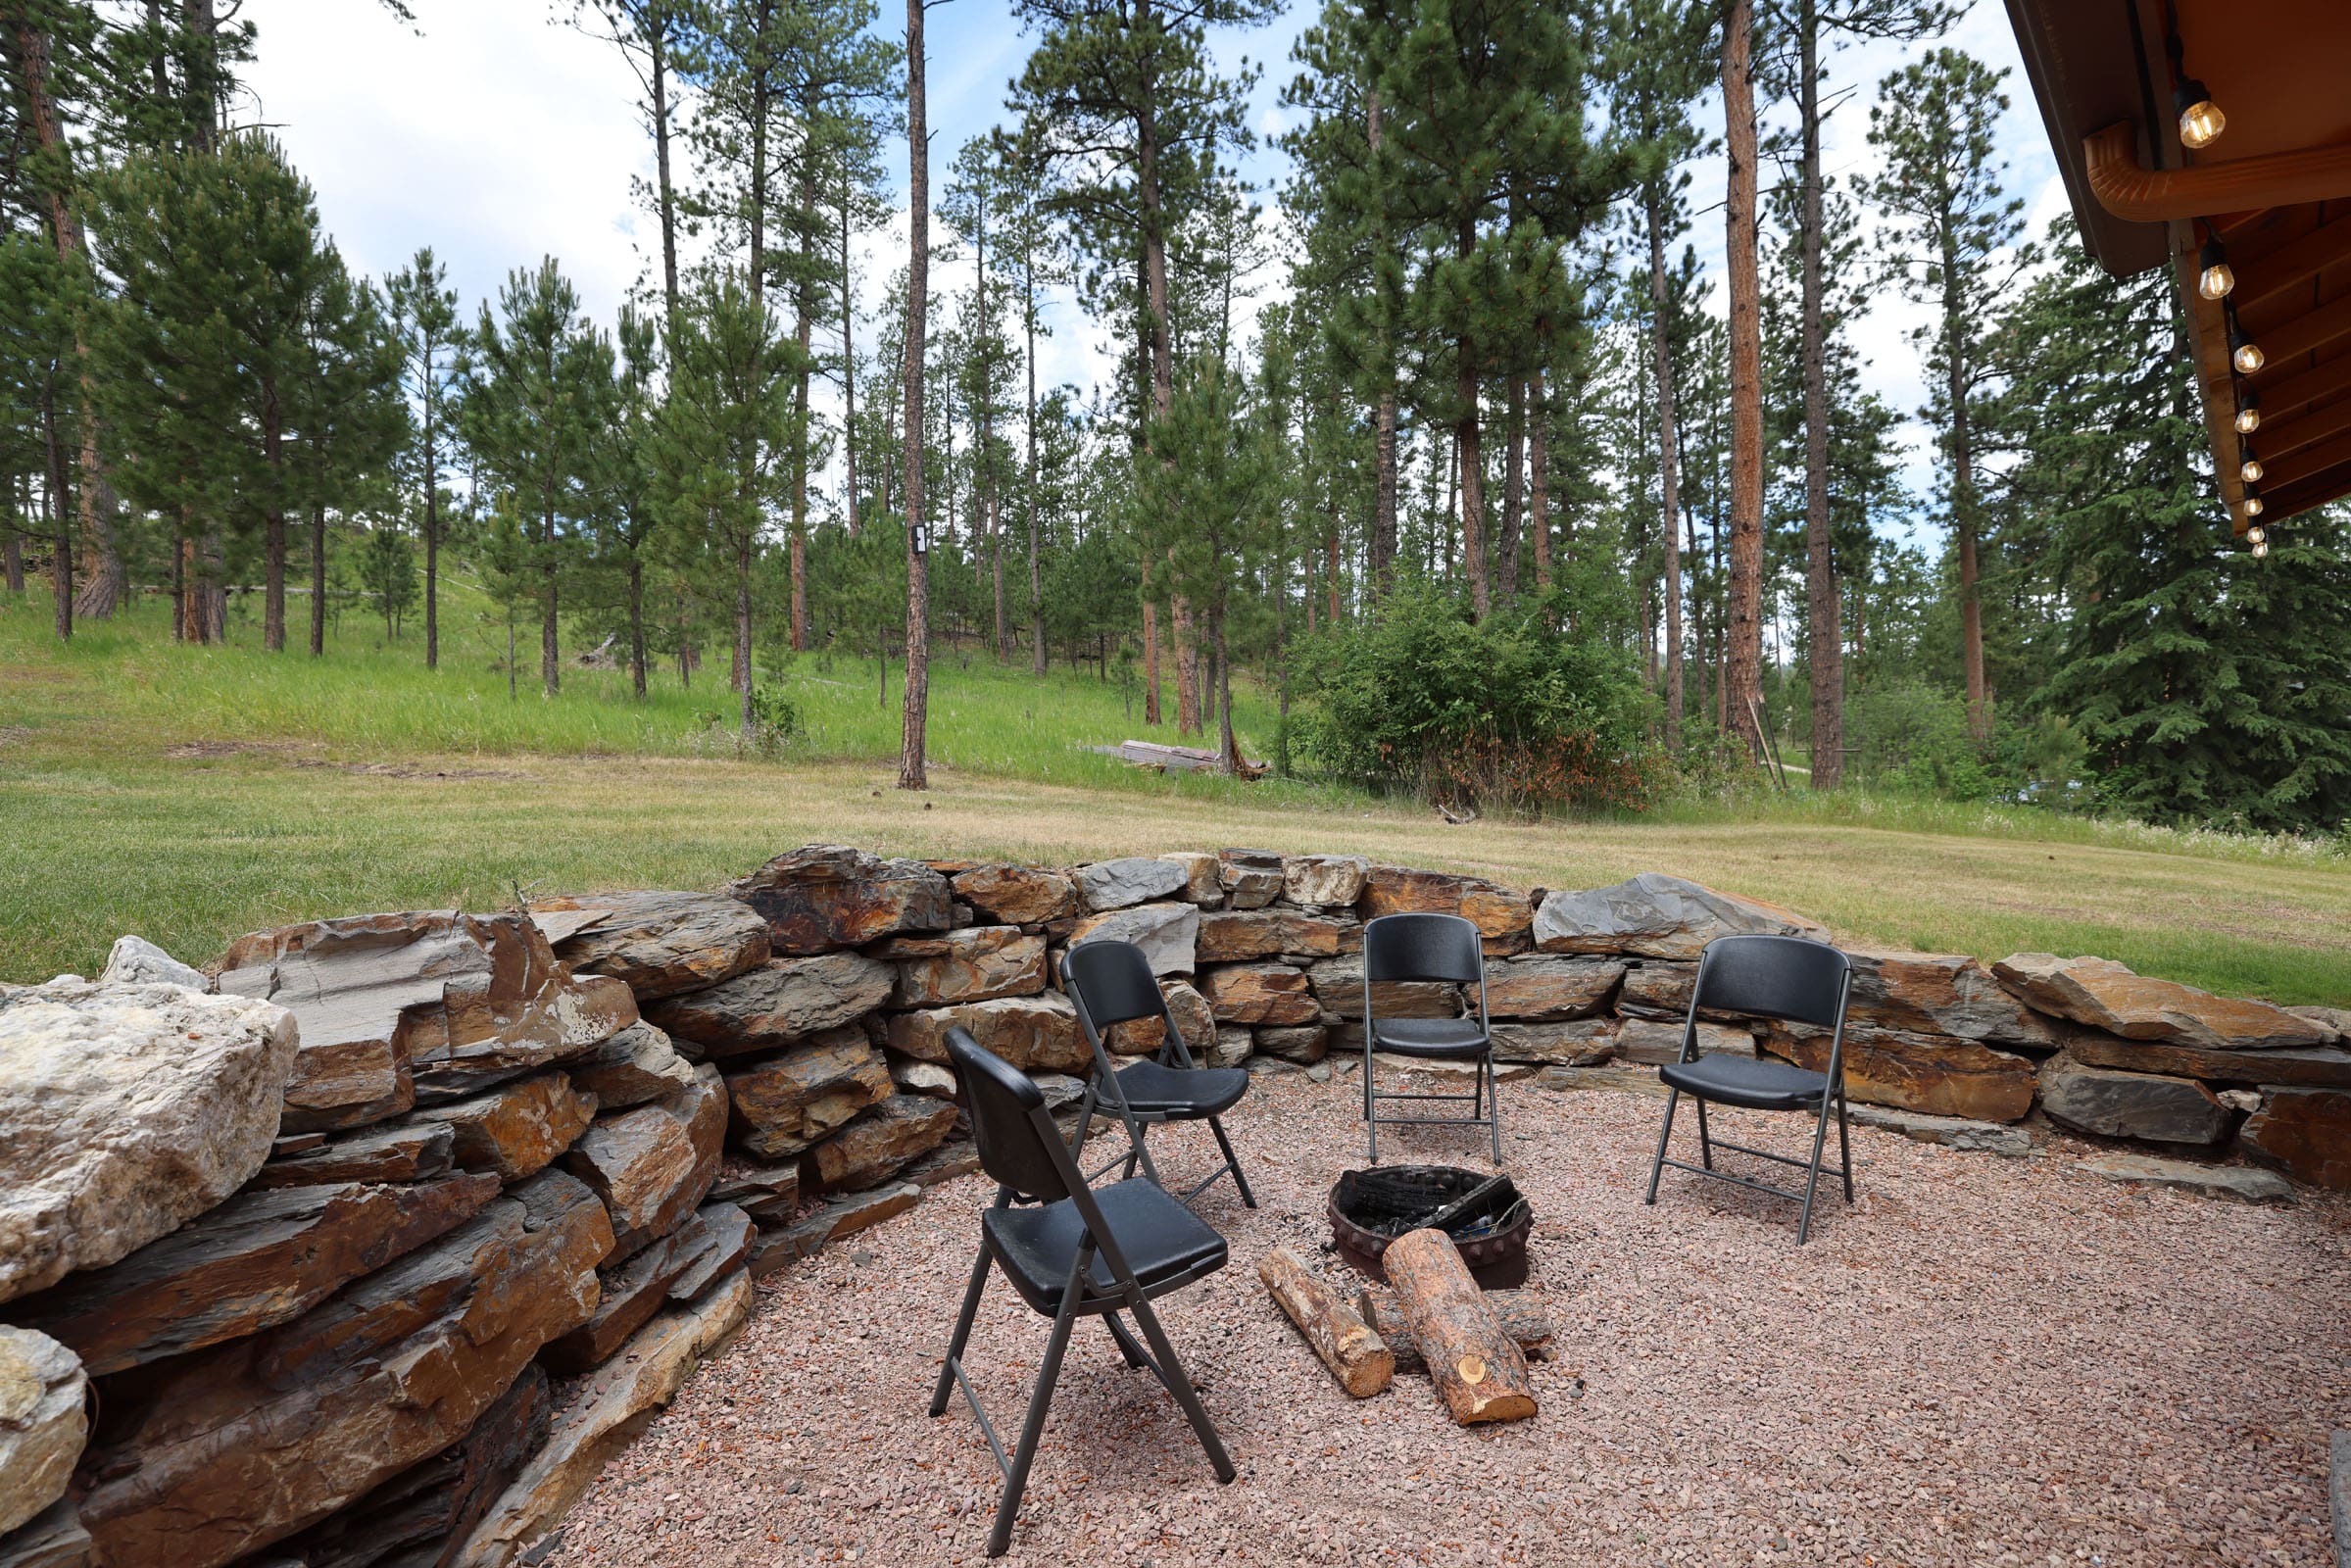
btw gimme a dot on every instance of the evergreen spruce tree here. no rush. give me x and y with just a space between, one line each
424 320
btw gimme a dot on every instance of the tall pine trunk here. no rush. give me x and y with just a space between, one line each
1743 681
1963 503
743 554
915 714
849 360
1668 460
550 672
1469 458
1514 492
1825 639
432 519
804 307
273 526
1383 511
60 560
1028 266
1539 478
657 40
636 625
317 579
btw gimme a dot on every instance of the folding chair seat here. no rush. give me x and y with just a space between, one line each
1077 1253
1428 947
1112 983
1768 977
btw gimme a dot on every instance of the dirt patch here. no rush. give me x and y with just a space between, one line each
292 753
212 751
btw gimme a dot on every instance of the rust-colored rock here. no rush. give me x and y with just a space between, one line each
1503 915
769 1194
879 1142
599 1416
516 1131
1260 994
637 1064
2131 1104
1233 936
1653 1041
781 1003
971 964
1656 916
1037 1034
2318 1067
660 943
1142 1037
411 1519
1203 877
1017 894
1338 984
629 1292
2305 1132
781 1106
1942 993
240 1445
1656 989
653 1166
2105 995
844 1216
1932 1073
1544 987
51 1538
451 1001
1562 1042
826 895
401 1153
260 1260
1305 1043
1250 879
1404 890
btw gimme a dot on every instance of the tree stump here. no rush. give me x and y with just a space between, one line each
1356 1356
1523 1314
1477 1367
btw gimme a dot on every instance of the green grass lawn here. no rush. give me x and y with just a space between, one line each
192 794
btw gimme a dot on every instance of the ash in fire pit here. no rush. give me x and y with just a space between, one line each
1487 1217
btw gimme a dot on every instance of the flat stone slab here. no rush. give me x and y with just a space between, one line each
783 1105
1250 879
137 962
1135 879
659 944
261 1258
1933 1073
1036 1034
2240 1181
1619 1076
2310 1067
1657 917
637 1064
1654 1041
1550 987
130 1109
827 896
2305 1132
653 1166
413 1152
971 964
1952 1132
882 1140
1338 984
1260 994
1167 933
1017 894
781 1003
1142 1037
1232 936
2131 1104
516 1131
1942 993
1561 1042
45 1395
2105 995
1324 881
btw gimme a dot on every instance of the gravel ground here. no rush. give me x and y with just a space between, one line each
1984 1362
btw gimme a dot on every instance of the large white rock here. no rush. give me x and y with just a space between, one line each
1657 917
1117 884
137 962
1167 933
43 1422
129 1109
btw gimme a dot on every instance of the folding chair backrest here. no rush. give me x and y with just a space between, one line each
1112 981
1774 977
1006 1109
1423 946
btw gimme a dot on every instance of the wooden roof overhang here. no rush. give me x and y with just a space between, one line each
2273 190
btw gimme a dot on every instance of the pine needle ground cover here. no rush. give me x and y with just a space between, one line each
192 794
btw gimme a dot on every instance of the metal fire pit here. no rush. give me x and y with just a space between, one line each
1369 1208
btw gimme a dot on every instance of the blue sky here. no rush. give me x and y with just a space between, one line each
498 136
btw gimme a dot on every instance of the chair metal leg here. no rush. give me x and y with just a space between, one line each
1812 1179
1249 1200
1705 1139
1371 1109
1179 1384
1494 1107
962 1334
1016 1479
1093 1098
1673 1101
1845 1148
1127 1346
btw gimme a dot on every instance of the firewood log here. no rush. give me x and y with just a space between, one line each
1356 1356
1523 1314
1477 1367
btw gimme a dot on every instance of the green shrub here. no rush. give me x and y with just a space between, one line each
1499 713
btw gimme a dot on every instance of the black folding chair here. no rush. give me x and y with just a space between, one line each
1082 1252
1768 977
1429 946
1112 983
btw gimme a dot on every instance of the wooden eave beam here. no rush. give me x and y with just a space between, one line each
2293 468
2140 195
2286 505
2331 419
2316 384
2302 336
2261 280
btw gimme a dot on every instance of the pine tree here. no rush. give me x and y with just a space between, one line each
1956 231
536 383
973 207
350 423
725 435
915 716
424 318
662 41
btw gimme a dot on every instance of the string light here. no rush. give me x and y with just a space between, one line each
2261 550
2252 506
2200 119
2243 352
2216 278
2248 413
2249 466
2257 534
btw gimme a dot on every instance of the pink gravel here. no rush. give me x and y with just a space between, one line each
1984 1362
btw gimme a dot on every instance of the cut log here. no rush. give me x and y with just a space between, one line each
1477 1367
1523 1314
1154 758
1356 1356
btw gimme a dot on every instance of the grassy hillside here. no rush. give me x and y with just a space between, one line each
189 795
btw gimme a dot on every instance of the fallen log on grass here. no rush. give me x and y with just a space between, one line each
1478 1368
1356 1356
1157 757
1523 1314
